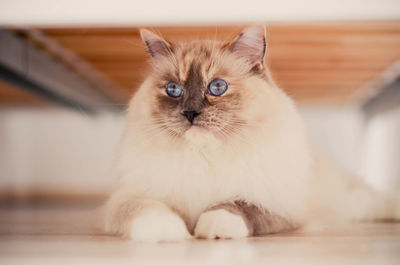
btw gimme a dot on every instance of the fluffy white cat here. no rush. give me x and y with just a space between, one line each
213 148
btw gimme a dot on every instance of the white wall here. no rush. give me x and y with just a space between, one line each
160 12
56 150
338 131
381 164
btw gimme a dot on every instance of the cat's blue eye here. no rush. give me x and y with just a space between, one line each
174 90
217 87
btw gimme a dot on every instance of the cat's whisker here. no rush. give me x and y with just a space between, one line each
160 127
233 145
150 138
237 132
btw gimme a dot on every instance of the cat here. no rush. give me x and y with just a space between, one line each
213 148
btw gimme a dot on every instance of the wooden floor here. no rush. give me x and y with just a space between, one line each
66 234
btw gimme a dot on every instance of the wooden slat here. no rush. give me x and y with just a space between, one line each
101 83
11 95
28 66
315 62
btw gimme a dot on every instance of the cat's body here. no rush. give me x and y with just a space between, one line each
230 165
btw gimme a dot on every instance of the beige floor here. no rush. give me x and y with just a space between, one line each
54 234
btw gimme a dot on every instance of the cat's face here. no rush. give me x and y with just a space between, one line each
205 85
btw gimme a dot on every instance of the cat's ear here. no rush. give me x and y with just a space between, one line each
156 46
251 44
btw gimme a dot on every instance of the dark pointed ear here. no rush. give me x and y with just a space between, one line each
156 46
251 45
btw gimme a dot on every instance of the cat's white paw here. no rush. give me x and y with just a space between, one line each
158 226
220 224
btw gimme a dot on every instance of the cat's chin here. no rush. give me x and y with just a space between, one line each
199 135
196 131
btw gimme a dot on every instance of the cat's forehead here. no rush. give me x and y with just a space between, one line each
208 59
200 53
203 49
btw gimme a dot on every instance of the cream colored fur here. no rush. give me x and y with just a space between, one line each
271 168
270 164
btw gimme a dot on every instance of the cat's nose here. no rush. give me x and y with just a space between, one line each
190 115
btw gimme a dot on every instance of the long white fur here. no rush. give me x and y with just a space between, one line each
271 165
271 168
274 168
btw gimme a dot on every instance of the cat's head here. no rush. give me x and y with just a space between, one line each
210 87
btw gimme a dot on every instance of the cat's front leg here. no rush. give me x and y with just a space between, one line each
239 219
147 221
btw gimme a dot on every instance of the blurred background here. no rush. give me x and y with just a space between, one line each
68 69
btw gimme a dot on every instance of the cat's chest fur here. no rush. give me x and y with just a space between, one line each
190 179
